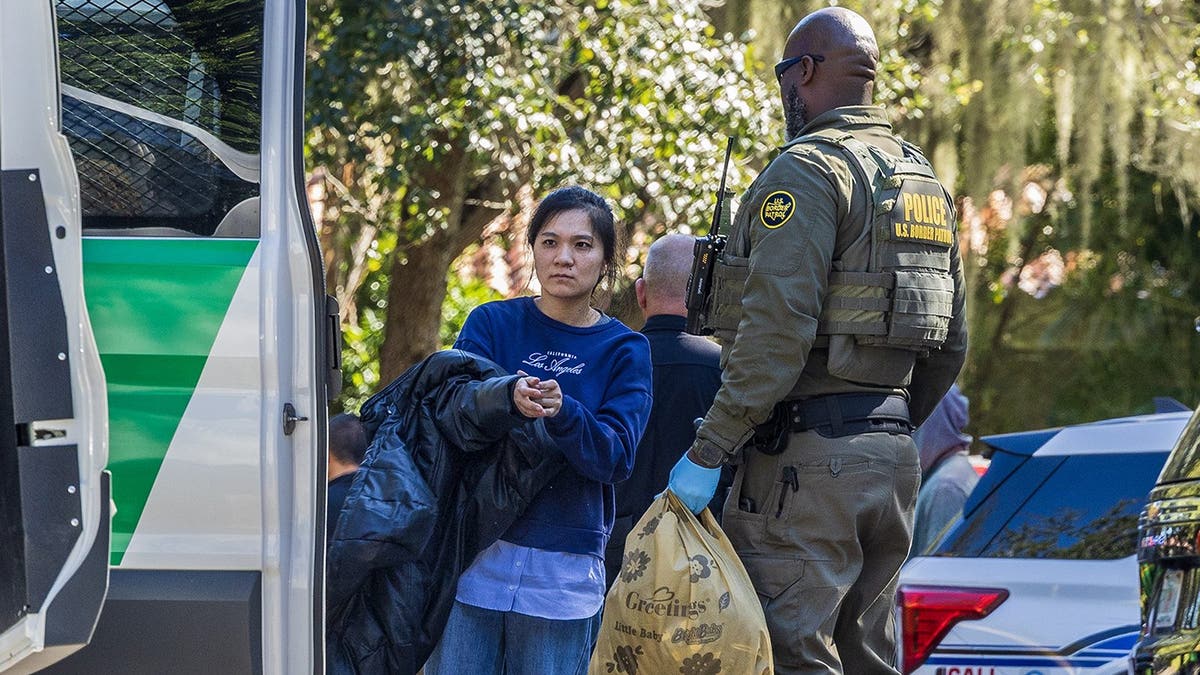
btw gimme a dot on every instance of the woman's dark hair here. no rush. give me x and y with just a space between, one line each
575 198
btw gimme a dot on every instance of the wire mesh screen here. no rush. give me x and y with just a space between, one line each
130 168
195 61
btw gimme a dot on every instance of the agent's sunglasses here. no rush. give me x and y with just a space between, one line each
782 66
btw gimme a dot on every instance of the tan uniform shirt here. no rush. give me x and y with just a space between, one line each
772 356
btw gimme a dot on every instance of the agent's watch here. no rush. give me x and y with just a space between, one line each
707 454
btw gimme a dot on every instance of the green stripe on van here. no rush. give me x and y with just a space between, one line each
155 306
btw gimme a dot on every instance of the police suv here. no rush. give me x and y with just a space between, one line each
1040 575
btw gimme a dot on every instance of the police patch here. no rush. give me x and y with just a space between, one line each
777 209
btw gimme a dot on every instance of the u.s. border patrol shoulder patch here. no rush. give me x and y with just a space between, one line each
777 209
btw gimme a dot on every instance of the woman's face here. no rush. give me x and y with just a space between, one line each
567 256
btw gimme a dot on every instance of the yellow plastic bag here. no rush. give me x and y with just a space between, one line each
682 603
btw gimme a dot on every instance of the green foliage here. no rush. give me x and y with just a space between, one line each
659 93
362 336
462 296
634 98
1114 330
360 360
436 114
1074 128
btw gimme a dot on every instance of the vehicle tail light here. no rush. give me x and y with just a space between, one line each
927 613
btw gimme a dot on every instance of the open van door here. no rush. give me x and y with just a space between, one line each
54 492
180 187
152 162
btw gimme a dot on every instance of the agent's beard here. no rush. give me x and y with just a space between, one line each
795 114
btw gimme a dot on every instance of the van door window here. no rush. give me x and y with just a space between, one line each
162 113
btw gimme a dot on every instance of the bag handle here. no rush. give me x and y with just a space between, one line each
705 521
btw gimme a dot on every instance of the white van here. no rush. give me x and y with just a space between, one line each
167 348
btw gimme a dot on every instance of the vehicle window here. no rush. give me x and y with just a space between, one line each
1081 507
162 115
1184 463
1001 502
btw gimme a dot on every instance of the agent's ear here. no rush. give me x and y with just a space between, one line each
639 289
808 69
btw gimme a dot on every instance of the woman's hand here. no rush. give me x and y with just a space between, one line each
535 397
551 400
527 396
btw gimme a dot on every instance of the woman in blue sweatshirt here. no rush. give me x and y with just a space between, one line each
530 603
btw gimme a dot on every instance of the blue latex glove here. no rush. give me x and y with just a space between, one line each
695 485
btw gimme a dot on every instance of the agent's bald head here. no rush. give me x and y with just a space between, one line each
843 72
663 286
843 37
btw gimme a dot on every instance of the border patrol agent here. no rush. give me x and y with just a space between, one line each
838 300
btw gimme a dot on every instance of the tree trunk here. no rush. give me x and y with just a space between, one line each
415 294
420 270
417 290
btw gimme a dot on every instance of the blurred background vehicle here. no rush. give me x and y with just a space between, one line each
1040 573
1169 564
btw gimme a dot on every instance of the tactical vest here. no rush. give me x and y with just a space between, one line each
890 294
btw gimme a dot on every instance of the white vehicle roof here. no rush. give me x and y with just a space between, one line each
1143 433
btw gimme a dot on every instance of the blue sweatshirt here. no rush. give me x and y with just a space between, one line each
604 372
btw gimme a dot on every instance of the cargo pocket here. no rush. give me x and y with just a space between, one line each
800 604
922 304
779 583
741 521
772 574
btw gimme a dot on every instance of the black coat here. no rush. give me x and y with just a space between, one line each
450 466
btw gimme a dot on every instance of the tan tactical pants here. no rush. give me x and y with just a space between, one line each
828 528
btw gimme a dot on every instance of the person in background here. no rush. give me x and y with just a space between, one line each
347 447
530 603
687 374
947 477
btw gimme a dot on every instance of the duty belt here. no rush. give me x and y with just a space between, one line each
839 415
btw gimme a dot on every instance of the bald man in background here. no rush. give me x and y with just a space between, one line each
838 302
685 379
